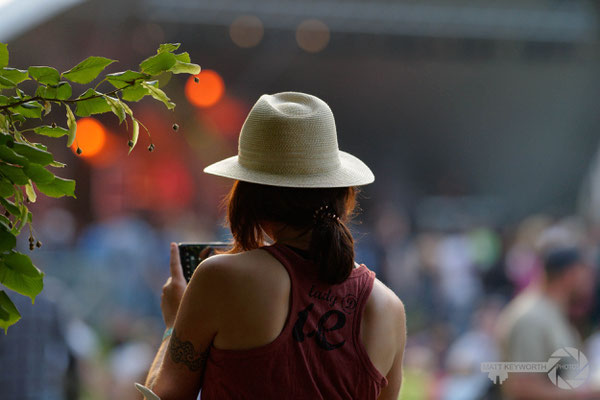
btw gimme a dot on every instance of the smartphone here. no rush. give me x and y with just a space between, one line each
192 254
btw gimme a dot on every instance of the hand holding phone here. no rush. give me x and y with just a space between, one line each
192 254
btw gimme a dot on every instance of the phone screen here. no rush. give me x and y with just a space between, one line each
192 254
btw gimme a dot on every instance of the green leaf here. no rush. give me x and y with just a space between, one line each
185 68
6 188
159 63
30 191
18 273
9 156
62 91
13 174
183 57
95 105
87 70
117 107
45 75
47 130
72 124
135 134
168 47
59 187
33 154
40 146
10 206
5 222
6 83
15 75
3 55
159 95
122 79
136 92
57 164
7 240
10 315
31 109
46 92
21 94
38 174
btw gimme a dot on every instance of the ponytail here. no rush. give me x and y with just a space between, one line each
331 246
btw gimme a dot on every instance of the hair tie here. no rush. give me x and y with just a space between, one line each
324 213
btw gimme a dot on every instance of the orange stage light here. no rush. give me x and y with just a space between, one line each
207 91
90 136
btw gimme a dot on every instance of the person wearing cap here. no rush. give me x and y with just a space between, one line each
535 325
287 313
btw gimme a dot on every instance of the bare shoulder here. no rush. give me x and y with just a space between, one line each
247 280
251 267
384 301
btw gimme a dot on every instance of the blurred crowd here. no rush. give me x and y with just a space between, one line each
96 326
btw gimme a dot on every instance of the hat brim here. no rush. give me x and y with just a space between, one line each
352 172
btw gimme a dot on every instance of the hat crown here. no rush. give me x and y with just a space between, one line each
289 133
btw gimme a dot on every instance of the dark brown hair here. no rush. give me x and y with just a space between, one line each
331 245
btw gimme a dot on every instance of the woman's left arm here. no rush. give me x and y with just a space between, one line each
178 367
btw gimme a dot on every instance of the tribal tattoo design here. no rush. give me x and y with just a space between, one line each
184 353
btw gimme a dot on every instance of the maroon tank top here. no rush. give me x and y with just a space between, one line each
317 355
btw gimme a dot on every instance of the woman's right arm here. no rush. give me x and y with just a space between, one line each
394 376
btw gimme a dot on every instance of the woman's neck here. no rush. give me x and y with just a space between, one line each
281 233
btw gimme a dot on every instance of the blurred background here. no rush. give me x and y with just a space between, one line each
479 119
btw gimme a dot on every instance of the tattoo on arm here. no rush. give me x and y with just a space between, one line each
184 353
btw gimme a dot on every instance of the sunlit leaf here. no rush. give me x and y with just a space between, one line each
134 135
38 174
116 107
159 63
96 104
168 47
45 75
30 192
159 95
122 79
33 154
63 91
57 164
72 125
58 187
87 70
6 83
31 109
15 75
18 273
185 68
47 130
135 92
183 57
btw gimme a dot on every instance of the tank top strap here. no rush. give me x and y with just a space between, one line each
292 261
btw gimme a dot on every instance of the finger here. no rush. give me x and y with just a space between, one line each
175 263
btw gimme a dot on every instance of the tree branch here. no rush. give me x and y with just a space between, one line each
40 98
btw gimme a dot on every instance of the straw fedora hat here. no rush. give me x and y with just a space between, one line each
289 139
